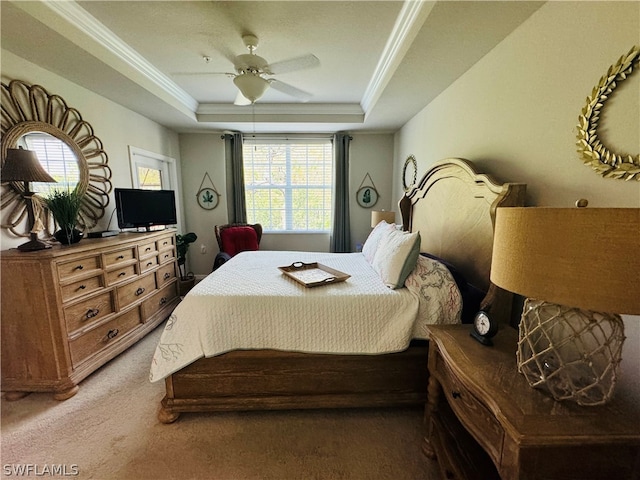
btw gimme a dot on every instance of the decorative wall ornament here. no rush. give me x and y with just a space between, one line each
604 161
409 173
367 195
30 108
207 196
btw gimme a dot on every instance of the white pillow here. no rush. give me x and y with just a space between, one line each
396 256
373 240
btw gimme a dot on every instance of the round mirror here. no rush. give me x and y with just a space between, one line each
66 147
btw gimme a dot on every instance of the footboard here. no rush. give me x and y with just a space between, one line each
277 380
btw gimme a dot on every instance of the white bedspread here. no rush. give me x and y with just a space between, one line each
249 304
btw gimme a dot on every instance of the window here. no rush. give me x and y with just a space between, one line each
288 184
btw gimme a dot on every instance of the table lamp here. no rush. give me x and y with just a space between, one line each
379 215
580 269
23 166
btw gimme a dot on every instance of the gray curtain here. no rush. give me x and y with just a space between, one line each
341 233
236 204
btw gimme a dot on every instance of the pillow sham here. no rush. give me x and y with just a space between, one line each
472 296
373 240
396 257
439 300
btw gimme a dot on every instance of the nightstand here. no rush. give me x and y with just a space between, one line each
484 421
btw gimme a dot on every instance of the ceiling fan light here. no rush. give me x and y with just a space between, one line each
251 85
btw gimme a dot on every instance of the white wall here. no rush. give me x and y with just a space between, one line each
369 153
116 126
515 115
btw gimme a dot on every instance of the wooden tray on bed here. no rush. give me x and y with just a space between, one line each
313 274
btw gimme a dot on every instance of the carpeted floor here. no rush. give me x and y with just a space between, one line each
109 430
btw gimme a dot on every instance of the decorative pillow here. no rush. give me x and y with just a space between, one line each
440 301
238 239
373 240
472 296
396 256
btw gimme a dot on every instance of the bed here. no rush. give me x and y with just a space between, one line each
324 361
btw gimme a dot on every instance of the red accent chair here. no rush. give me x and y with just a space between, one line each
234 238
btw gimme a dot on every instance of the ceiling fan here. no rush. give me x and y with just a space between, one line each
254 75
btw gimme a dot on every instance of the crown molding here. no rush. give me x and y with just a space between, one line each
282 113
406 27
88 26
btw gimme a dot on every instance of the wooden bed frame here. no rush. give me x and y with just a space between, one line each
453 207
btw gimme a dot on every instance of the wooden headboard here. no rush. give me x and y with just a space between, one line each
453 207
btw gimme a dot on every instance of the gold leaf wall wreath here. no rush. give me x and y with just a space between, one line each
604 161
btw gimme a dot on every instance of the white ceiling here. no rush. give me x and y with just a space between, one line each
381 62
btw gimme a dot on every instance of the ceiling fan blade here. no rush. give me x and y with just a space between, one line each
293 64
241 100
290 90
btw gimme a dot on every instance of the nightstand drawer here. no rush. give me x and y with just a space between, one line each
133 291
89 311
92 342
81 288
471 412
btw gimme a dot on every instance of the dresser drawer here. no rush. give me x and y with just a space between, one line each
88 311
148 264
471 412
159 300
147 249
81 288
79 266
119 257
92 342
166 243
167 256
123 273
165 274
131 292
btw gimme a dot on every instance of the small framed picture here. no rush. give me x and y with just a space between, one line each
367 197
208 198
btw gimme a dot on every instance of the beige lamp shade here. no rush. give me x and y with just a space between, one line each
23 166
578 257
379 215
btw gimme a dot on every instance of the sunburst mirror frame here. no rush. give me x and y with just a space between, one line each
30 108
604 161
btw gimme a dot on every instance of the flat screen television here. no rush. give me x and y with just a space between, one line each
145 208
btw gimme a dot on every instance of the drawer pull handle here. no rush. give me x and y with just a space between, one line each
112 334
119 257
456 394
163 300
166 256
139 291
167 275
82 287
149 264
122 274
147 249
92 313
79 267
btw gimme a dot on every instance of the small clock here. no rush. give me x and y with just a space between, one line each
484 327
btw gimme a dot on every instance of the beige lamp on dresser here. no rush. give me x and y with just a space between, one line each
580 269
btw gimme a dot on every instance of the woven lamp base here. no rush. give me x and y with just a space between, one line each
572 354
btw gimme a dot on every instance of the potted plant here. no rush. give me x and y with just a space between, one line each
187 279
65 207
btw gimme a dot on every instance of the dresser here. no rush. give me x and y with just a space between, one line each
68 310
484 421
